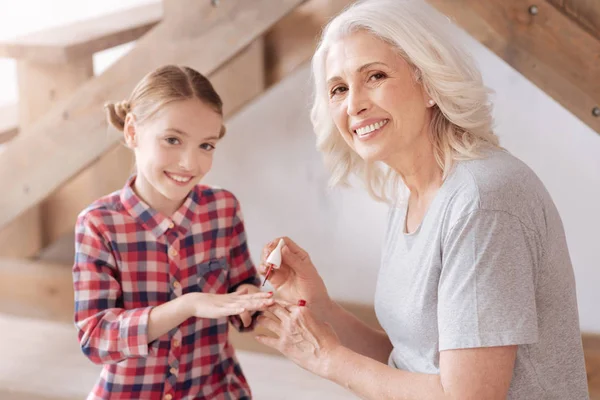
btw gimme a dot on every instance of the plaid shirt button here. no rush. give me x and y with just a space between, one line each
168 397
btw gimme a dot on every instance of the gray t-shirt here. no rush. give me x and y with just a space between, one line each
488 266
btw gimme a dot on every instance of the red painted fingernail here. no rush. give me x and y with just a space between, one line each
301 303
271 293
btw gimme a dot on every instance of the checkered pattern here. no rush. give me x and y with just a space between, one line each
130 258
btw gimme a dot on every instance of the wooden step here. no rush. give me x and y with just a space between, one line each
84 38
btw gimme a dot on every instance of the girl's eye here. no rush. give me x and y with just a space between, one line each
172 140
337 90
377 76
207 146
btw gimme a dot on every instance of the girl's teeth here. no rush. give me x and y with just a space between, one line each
180 179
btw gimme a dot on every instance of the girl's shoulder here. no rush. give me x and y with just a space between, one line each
208 193
107 204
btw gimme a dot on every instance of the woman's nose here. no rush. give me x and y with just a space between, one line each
358 102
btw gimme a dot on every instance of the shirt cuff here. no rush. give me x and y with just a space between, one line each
133 332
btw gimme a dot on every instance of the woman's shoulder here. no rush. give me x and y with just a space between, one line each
498 182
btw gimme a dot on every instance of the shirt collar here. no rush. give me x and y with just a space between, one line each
155 221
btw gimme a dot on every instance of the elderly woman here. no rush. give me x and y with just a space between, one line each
476 293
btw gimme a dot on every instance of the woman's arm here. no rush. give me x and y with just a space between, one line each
466 374
298 279
355 334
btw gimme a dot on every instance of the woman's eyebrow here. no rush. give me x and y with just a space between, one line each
334 79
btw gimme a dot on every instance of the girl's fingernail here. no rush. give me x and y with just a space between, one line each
271 293
301 303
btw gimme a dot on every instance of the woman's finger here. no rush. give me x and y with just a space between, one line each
279 311
269 324
268 248
294 248
268 341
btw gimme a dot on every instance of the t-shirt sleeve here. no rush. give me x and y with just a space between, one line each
486 292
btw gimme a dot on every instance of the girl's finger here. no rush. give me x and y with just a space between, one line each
255 305
253 296
246 319
242 291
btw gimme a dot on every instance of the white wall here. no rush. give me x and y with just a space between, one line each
280 180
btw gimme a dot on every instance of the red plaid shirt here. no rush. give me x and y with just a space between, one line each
130 258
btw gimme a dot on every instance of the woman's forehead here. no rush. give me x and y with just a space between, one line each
349 53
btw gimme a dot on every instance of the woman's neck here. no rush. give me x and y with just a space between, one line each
418 168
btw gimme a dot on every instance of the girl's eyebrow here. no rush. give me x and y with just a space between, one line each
178 131
183 133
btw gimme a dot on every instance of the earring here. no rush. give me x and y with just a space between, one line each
431 102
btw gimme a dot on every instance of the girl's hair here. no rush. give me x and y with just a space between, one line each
461 124
160 87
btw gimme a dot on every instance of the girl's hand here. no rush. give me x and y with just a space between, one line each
297 278
246 316
208 305
301 337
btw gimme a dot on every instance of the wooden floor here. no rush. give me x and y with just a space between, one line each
39 360
591 346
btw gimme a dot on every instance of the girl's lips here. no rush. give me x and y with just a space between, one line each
180 180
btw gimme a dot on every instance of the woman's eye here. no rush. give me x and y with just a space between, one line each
172 140
207 146
337 90
377 76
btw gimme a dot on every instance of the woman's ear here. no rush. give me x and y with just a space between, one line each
129 131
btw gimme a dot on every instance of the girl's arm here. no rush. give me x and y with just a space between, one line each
107 332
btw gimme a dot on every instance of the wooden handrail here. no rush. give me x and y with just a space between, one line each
74 134
84 38
9 122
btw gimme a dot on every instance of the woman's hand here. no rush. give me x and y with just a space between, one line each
301 337
297 278
209 305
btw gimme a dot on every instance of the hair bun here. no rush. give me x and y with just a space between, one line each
122 109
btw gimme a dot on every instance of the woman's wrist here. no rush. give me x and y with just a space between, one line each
333 363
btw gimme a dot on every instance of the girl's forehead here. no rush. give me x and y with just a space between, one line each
191 116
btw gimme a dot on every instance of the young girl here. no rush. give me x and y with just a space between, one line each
162 265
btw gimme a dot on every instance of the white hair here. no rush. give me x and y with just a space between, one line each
461 124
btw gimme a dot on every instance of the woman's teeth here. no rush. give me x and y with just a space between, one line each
365 130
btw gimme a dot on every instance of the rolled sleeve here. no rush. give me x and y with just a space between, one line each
107 332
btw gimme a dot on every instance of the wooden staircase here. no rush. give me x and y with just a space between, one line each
57 154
